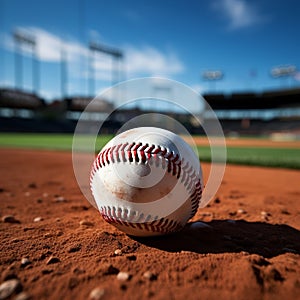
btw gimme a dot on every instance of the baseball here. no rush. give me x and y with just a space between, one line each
147 181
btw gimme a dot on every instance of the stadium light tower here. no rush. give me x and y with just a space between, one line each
286 71
116 54
21 38
63 71
213 76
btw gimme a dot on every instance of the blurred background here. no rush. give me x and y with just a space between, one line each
242 56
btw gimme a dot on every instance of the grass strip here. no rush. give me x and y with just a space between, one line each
256 156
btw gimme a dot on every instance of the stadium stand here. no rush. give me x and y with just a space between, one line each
10 98
265 100
239 113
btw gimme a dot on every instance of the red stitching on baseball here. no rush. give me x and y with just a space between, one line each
162 225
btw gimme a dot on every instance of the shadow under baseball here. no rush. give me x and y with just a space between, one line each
220 236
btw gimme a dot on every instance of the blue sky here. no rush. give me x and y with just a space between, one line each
174 39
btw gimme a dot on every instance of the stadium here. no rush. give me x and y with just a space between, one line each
231 92
271 113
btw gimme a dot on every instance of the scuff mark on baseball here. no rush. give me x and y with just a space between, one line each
147 181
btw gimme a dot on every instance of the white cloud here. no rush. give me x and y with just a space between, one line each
50 46
150 61
239 13
139 61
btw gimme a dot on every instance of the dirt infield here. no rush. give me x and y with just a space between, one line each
57 246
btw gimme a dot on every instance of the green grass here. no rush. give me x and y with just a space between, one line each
259 156
49 141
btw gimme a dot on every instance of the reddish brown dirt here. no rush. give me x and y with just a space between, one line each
250 251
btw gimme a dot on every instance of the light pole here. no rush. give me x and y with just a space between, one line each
116 54
25 38
284 71
213 76
63 71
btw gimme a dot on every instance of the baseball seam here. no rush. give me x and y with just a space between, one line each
141 153
163 225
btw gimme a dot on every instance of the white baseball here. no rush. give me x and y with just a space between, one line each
147 181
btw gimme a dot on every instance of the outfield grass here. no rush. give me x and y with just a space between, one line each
48 141
260 156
